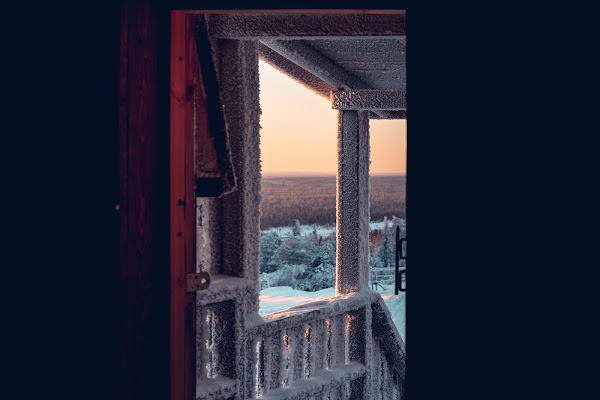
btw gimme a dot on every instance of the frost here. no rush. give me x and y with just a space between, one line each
343 342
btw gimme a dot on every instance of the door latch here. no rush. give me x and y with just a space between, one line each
197 281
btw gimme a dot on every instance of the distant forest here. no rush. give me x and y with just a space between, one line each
312 199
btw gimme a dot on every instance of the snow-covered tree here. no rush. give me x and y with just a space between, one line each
296 231
297 250
386 248
269 243
320 274
332 240
313 235
374 261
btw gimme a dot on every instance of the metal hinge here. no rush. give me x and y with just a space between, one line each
197 281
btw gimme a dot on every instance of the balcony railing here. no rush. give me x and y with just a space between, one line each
342 347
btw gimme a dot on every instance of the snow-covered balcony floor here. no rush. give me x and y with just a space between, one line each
279 298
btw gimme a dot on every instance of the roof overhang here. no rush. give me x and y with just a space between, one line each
329 52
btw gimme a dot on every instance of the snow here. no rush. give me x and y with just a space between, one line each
280 298
368 99
322 230
323 379
286 231
215 388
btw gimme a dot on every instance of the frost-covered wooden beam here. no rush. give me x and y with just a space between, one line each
299 26
241 210
308 80
317 64
368 100
401 114
352 200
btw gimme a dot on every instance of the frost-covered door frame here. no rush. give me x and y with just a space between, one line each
182 355
236 260
236 239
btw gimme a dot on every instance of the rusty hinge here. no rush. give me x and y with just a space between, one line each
197 281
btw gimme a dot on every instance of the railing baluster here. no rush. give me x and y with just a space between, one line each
309 350
302 350
320 345
268 350
339 347
329 345
286 370
259 369
347 338
298 352
276 356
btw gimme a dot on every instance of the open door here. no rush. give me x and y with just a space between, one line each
200 166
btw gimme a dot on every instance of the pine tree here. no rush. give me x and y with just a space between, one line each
269 244
296 231
385 250
314 237
296 250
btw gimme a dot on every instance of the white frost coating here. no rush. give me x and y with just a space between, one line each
241 212
224 287
381 62
305 25
217 388
352 197
205 239
368 99
313 387
242 372
316 63
352 331
322 308
297 73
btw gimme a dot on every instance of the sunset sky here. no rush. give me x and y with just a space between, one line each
299 130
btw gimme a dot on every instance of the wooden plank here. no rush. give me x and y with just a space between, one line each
141 253
189 3
123 112
126 326
177 216
189 210
212 133
206 156
368 99
297 73
319 65
252 26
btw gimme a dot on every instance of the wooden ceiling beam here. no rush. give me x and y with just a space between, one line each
319 65
306 26
368 100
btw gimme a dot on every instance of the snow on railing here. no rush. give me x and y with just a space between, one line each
335 348
318 350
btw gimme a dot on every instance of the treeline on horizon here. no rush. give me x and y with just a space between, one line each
311 200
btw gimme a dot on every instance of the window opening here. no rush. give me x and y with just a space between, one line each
388 212
299 166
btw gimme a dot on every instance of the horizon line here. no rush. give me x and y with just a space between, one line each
312 173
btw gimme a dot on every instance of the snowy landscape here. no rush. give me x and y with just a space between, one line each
297 262
281 297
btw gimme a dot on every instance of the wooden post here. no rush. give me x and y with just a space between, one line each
241 209
182 206
352 198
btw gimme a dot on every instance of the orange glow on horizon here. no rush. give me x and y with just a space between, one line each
299 131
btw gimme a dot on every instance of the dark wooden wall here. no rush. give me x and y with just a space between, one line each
144 201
